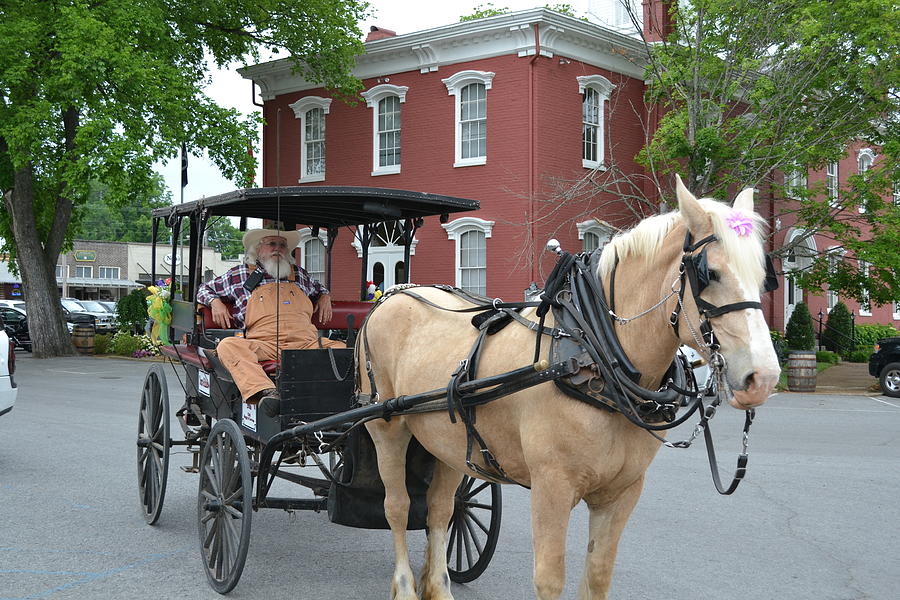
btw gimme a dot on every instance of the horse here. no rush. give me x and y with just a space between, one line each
563 449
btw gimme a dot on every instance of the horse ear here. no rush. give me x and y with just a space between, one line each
744 200
694 216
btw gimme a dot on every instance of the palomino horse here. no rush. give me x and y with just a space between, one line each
563 449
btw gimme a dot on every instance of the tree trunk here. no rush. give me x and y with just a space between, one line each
46 325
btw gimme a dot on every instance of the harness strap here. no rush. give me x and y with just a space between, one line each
741 469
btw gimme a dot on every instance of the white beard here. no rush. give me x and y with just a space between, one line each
279 268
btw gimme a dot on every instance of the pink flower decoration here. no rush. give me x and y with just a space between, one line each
741 223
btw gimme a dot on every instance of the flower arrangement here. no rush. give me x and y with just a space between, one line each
160 310
372 292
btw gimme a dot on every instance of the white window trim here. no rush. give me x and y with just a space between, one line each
300 108
373 96
456 228
601 229
376 250
895 305
863 311
795 178
832 297
867 154
89 267
61 273
306 235
833 201
604 88
455 83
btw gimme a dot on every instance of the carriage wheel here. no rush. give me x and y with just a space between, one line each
153 443
474 529
224 505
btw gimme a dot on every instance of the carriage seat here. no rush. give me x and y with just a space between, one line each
345 315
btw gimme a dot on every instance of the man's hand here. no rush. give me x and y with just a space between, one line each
221 316
323 308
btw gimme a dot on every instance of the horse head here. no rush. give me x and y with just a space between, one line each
725 268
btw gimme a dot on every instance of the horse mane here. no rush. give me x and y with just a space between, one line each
745 253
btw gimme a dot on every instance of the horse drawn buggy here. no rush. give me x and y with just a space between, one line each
571 399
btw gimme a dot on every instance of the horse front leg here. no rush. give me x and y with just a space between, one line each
606 522
441 494
391 440
552 500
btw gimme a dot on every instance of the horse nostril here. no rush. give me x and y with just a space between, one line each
748 381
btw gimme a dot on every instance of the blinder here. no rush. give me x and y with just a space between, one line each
695 269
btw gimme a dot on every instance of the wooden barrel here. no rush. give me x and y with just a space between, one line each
83 338
801 371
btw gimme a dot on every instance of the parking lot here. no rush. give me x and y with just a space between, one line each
815 519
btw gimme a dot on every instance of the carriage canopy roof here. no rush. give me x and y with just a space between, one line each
323 206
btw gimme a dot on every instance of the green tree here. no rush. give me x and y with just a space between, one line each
484 10
100 91
799 333
837 335
745 91
224 237
127 221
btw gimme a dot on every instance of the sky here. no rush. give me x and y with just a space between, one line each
403 16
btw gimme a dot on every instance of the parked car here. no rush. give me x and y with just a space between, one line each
8 389
75 313
110 306
15 322
885 365
106 321
20 304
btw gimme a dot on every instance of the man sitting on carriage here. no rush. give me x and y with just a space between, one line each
274 300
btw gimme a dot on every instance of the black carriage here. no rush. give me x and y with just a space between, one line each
238 449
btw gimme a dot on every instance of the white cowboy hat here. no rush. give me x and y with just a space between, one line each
254 236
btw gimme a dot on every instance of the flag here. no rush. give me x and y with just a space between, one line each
184 179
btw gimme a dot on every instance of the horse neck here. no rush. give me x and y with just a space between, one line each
649 341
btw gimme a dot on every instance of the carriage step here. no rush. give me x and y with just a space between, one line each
316 504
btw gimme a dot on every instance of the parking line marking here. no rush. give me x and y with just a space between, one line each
886 402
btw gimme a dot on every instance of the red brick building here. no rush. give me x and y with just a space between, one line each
492 110
506 110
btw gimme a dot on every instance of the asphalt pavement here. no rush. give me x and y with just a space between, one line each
815 519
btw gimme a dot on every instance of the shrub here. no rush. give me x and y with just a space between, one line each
125 344
102 343
838 333
867 335
778 343
132 311
860 356
799 333
824 356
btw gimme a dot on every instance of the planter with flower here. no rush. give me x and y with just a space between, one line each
160 310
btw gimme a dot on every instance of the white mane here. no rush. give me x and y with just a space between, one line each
745 253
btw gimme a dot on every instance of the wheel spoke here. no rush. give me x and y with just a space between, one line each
473 535
471 517
477 490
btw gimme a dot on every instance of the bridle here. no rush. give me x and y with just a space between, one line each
694 270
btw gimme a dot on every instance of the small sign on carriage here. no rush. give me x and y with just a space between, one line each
203 382
248 416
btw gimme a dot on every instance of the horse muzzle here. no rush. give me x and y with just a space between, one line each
756 388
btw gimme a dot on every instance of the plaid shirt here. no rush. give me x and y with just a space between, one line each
230 287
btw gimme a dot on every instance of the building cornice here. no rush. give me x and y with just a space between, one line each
433 49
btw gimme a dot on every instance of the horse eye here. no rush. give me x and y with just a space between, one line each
713 275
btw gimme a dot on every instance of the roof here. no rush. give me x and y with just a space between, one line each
323 206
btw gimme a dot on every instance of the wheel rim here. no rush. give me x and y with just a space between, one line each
224 505
892 380
153 444
474 529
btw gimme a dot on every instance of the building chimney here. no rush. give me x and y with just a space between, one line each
658 19
379 33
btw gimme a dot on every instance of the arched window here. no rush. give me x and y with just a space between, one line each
469 89
385 99
595 91
864 161
470 235
312 253
311 112
594 234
